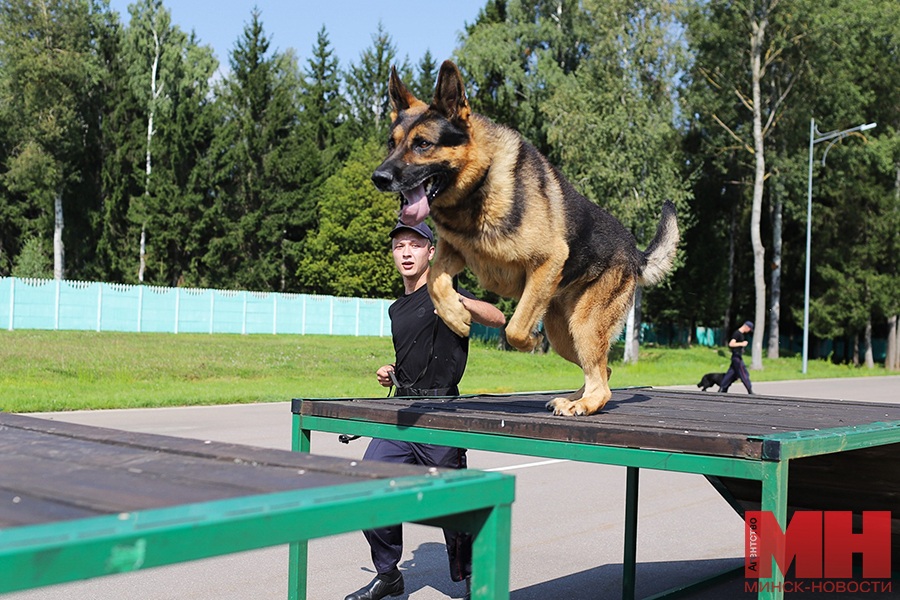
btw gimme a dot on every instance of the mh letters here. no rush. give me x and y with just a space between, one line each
817 539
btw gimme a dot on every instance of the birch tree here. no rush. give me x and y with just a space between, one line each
49 67
152 45
738 44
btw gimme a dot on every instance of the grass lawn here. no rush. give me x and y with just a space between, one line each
76 370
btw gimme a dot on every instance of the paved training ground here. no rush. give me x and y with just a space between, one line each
568 521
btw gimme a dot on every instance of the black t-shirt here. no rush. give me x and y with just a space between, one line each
428 354
737 336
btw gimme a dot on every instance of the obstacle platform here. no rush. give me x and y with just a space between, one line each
764 452
79 501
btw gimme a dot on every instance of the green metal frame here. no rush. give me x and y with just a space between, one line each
46 554
771 471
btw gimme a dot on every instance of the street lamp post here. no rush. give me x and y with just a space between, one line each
815 136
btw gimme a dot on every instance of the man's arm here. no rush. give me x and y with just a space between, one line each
482 312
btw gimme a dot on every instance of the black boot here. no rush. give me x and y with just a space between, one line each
381 586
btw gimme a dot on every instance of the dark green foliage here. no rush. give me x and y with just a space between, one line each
50 106
367 86
260 170
34 260
261 207
349 255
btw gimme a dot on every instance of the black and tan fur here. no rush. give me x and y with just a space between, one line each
504 211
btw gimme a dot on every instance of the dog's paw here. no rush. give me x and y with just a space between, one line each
457 318
525 343
460 328
565 407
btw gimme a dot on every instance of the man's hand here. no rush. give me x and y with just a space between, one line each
384 375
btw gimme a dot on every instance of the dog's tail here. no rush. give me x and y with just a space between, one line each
657 259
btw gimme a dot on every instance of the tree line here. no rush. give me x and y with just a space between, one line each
128 154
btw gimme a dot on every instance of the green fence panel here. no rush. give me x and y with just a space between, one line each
318 315
77 305
158 310
119 307
373 317
289 313
260 314
194 310
228 311
345 314
35 304
6 302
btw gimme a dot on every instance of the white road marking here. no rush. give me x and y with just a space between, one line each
527 465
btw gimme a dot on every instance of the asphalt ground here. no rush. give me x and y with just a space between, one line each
568 521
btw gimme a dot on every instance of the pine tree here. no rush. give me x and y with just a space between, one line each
259 173
324 110
367 86
423 86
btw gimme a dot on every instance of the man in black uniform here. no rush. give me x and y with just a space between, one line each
430 361
737 368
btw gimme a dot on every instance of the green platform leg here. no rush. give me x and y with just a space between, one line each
629 560
299 551
774 499
297 571
490 555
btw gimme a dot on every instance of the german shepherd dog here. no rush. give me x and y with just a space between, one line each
504 211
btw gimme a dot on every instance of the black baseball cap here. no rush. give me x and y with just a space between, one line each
422 229
749 324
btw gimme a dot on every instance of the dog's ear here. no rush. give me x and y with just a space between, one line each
450 94
401 97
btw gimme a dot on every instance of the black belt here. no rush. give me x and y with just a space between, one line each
408 392
447 391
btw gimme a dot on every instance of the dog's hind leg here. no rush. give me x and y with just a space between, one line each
595 321
447 263
540 286
556 324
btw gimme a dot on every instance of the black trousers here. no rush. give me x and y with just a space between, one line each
737 369
386 543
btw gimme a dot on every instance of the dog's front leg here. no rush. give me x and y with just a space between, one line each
447 263
540 285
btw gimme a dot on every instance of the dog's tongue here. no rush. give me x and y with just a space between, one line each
416 208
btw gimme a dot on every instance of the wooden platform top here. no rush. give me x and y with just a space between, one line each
676 421
54 471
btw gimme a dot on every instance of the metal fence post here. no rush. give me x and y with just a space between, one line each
56 309
12 301
99 304
140 307
244 317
